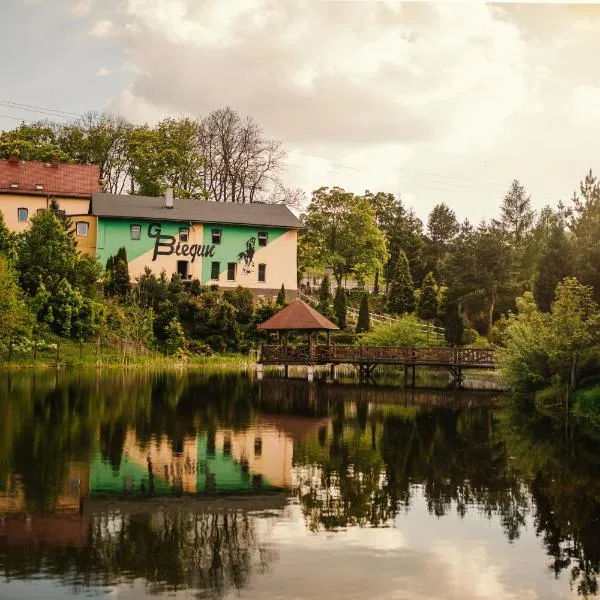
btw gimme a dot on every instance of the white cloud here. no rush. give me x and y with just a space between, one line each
104 29
585 105
80 8
103 71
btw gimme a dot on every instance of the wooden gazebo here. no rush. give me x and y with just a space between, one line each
297 317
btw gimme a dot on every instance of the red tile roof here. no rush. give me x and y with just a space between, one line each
297 315
67 180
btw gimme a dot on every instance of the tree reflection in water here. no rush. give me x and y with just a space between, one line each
372 451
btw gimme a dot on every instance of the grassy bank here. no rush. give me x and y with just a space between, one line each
67 353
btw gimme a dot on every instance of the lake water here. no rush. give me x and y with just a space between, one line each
214 485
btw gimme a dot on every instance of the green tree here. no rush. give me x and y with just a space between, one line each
428 305
363 322
280 301
15 317
516 215
36 141
523 360
242 300
63 283
454 325
339 307
48 253
341 232
117 275
401 299
554 264
174 337
324 306
99 139
405 235
584 221
8 242
442 228
574 329
478 272
167 155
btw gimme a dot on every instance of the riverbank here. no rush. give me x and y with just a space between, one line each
69 354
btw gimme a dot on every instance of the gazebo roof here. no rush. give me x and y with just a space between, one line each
297 316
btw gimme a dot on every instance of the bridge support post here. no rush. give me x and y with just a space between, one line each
260 369
414 375
332 371
310 373
286 371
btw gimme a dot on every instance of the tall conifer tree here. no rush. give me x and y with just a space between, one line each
401 299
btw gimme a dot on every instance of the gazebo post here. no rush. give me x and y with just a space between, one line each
310 371
285 352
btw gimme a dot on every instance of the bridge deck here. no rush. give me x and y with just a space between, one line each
468 358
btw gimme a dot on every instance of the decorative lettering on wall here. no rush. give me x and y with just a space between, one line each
248 256
165 245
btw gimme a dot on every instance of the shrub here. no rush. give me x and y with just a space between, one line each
404 333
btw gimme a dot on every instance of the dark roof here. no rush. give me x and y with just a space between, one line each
61 179
297 315
202 211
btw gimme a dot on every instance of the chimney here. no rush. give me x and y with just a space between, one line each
169 197
55 162
13 158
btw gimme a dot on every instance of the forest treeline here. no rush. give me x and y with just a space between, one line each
502 280
528 281
222 157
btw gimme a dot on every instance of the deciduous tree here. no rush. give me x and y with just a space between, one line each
341 232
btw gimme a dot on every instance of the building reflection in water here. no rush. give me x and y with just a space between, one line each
177 480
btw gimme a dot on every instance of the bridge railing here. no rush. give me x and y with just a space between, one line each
377 354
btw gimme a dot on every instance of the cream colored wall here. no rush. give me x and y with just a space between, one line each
169 263
280 258
275 461
10 203
161 454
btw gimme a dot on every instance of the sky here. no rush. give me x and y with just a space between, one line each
434 102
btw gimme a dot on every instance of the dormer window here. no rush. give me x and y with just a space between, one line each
14 186
39 187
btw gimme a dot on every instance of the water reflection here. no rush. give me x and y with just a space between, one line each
179 480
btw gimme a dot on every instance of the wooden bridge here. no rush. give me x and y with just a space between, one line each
367 358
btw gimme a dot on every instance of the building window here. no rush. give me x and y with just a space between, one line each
22 214
135 232
82 228
262 273
231 269
263 237
183 269
257 446
184 233
215 268
216 236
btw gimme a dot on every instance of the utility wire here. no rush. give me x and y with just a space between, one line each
441 182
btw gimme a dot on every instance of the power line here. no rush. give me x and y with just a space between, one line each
410 176
40 109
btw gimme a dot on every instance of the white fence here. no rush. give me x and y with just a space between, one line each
431 330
